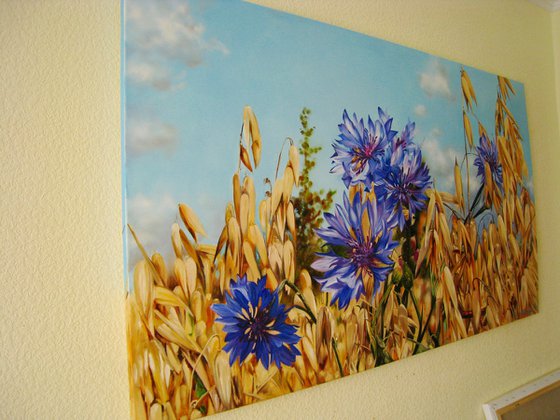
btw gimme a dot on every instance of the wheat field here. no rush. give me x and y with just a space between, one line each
451 265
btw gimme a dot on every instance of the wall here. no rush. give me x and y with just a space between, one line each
62 347
556 41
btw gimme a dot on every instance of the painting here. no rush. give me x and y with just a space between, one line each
303 202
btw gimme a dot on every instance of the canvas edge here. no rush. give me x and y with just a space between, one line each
492 409
122 74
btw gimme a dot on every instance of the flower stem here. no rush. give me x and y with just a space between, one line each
423 330
417 344
415 304
307 309
337 357
476 198
381 304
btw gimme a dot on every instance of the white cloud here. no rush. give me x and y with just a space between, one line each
145 134
154 75
211 210
440 160
420 110
151 218
163 35
434 81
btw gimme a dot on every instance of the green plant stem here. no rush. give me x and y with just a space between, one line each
417 344
419 315
480 211
476 199
335 349
374 339
307 309
415 304
381 304
425 327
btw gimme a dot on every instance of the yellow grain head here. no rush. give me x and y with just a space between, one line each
180 271
236 192
156 412
304 280
264 215
256 238
482 131
505 87
489 185
289 261
249 189
244 211
159 369
476 307
191 221
159 265
143 286
221 275
197 305
253 271
468 129
309 353
291 220
191 251
351 326
277 192
234 237
275 259
324 327
280 222
166 297
222 375
251 134
244 157
192 273
229 212
176 240
469 94
246 128
288 184
459 185
294 162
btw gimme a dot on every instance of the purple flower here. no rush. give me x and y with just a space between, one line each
405 181
487 152
360 149
255 323
360 247
406 138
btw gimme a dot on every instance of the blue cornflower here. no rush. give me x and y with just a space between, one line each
487 152
387 122
360 149
360 247
406 137
255 323
404 183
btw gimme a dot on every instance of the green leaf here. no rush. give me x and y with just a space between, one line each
199 389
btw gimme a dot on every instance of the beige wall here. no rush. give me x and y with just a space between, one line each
556 41
62 346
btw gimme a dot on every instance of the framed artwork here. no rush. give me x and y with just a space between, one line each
303 203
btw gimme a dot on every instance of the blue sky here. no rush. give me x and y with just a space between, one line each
192 66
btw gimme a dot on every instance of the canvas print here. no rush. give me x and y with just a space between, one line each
303 203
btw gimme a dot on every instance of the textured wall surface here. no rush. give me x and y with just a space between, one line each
556 41
62 344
